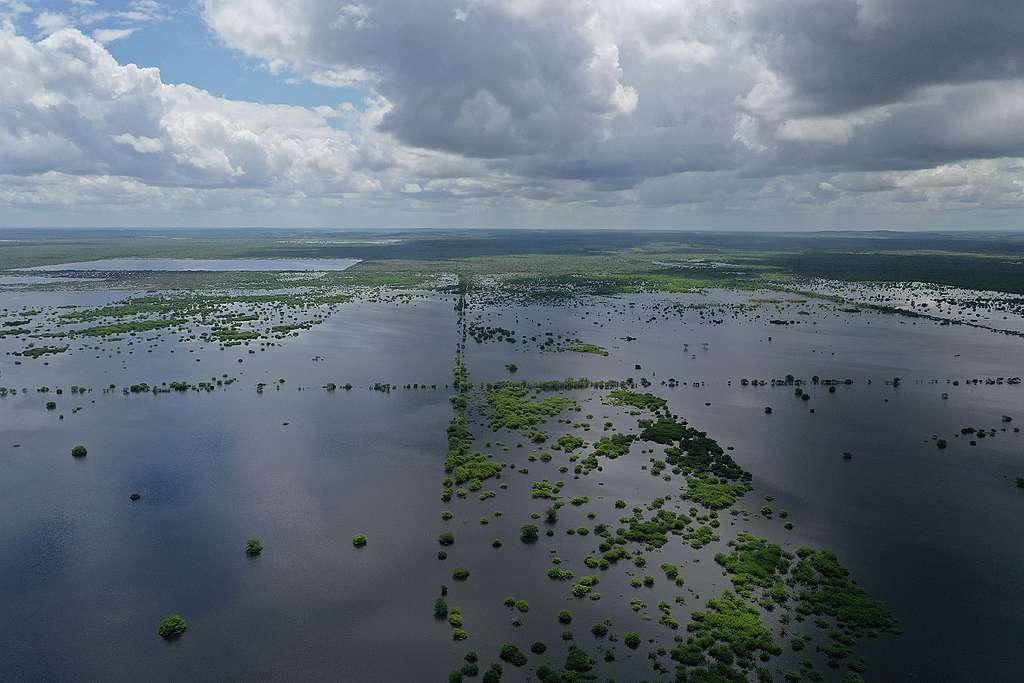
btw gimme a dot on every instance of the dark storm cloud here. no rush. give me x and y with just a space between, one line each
841 55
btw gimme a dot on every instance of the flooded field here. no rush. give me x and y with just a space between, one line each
886 439
194 264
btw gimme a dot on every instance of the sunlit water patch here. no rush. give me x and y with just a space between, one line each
187 264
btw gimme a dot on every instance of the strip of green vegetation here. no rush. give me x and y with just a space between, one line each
623 397
37 351
129 327
582 347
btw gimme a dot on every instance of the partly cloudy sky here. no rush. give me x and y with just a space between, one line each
787 114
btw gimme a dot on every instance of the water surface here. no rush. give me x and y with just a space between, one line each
187 264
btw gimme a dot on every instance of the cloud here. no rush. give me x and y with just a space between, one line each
70 108
841 55
48 22
599 110
109 35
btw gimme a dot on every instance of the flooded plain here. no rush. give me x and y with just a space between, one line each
197 264
271 446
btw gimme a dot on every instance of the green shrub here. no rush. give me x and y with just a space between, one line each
512 654
253 547
359 540
79 451
172 626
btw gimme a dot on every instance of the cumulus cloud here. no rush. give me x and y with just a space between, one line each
676 109
70 108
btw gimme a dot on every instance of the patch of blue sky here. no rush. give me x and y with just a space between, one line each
173 37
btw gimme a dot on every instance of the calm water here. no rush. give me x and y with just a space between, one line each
188 264
86 575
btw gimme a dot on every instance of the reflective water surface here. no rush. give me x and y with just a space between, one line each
86 575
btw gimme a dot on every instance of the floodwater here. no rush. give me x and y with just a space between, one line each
86 575
189 264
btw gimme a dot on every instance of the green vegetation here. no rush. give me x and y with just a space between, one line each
512 654
172 626
511 410
754 562
823 586
253 547
359 540
582 347
623 397
569 443
730 622
129 327
37 351
714 494
79 451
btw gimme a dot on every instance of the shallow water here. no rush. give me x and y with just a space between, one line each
188 264
86 575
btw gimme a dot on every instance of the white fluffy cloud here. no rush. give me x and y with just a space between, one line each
705 112
70 108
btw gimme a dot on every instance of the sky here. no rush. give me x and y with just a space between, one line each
688 114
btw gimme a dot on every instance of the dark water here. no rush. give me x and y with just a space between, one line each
86 575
